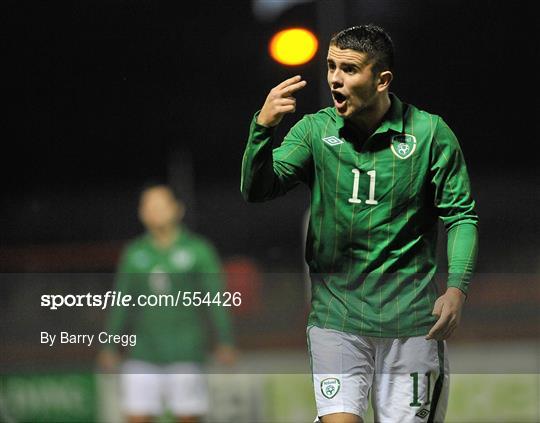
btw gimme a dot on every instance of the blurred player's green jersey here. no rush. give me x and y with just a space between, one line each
371 244
168 334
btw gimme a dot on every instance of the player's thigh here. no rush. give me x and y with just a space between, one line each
342 367
341 418
140 386
411 381
186 390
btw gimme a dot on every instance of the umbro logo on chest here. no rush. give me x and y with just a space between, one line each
332 141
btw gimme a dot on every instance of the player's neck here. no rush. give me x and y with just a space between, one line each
369 119
164 237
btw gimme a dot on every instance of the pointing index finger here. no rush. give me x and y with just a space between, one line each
291 89
289 81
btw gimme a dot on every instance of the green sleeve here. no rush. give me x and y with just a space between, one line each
462 252
212 282
455 205
268 173
117 319
450 179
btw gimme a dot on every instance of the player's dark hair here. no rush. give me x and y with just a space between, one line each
156 183
370 39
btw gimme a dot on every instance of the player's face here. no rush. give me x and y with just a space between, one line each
158 208
351 80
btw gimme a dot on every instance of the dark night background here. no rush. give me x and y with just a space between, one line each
101 96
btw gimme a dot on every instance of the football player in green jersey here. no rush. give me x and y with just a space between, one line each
382 173
164 366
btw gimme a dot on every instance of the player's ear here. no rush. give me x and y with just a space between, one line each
140 212
180 210
385 78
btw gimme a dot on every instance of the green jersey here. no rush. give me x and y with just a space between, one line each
375 203
168 333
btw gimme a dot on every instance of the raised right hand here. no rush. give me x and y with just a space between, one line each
280 101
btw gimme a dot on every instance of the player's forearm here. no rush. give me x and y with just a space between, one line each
462 253
115 324
118 316
222 322
214 283
259 181
116 321
220 318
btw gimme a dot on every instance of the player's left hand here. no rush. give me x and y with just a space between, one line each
108 360
226 354
448 309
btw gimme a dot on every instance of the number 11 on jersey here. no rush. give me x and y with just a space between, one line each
356 183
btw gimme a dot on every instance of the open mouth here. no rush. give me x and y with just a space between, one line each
339 98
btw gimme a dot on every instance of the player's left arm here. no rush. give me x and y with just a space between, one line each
118 317
213 282
456 209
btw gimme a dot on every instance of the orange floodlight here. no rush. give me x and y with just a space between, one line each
293 46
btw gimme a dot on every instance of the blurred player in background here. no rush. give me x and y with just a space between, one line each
165 364
381 174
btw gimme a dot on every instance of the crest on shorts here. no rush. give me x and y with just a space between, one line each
403 145
330 387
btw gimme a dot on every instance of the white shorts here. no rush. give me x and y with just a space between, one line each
148 389
408 378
